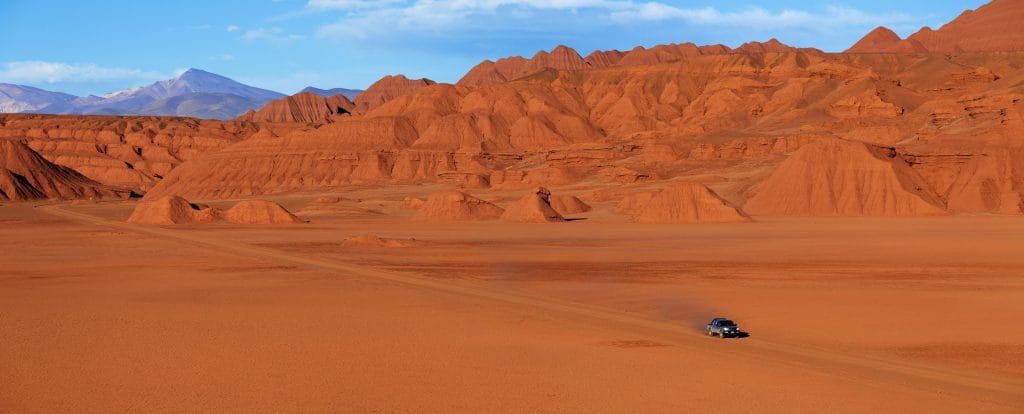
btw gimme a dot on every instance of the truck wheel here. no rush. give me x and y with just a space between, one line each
710 333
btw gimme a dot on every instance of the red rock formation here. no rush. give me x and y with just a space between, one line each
565 205
565 58
883 40
991 28
456 206
306 107
259 212
173 209
168 210
659 54
771 46
510 68
386 89
623 124
866 104
842 178
25 175
123 152
994 27
603 58
686 202
533 208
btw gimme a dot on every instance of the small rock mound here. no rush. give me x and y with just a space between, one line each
686 202
168 210
534 208
412 203
369 240
568 204
259 212
177 210
456 206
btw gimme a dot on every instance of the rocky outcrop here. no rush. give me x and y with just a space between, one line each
170 210
510 68
834 177
565 58
884 40
991 28
568 204
685 202
259 212
533 208
306 107
121 152
994 27
456 206
25 175
386 89
173 209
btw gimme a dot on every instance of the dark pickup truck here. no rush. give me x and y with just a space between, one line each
724 328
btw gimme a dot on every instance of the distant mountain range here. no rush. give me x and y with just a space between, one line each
194 93
327 93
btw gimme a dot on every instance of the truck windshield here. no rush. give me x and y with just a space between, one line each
726 323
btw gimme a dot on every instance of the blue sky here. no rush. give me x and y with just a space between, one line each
95 47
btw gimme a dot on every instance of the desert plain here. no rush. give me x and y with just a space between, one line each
375 312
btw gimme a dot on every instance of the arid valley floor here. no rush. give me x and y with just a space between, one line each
591 315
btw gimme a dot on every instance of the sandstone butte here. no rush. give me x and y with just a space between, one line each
897 132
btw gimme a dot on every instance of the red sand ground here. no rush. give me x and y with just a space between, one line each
845 315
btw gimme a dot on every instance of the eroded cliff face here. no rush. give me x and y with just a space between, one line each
890 134
123 152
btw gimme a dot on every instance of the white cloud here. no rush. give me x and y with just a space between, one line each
364 19
233 28
348 4
34 71
274 36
